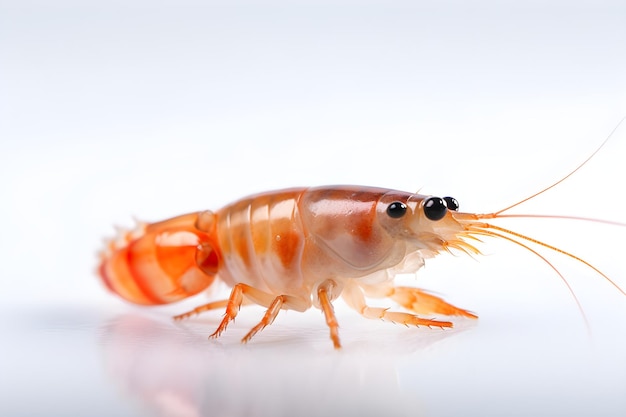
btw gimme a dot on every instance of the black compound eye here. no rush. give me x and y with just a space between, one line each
435 208
396 209
451 203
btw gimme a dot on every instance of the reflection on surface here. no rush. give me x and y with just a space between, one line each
176 371
66 360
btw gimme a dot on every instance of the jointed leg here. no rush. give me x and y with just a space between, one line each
205 307
415 299
236 299
268 318
329 313
234 303
287 302
424 303
354 297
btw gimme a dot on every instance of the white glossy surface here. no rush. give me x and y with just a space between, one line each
109 111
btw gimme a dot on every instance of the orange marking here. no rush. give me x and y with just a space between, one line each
363 224
287 246
123 281
175 260
242 247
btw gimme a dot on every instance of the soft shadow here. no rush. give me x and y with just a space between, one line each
175 371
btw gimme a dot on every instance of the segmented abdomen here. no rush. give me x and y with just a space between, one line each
261 241
160 263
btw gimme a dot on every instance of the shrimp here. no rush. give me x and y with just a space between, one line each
299 248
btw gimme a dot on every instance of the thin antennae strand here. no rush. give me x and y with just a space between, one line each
554 248
565 177
554 216
543 258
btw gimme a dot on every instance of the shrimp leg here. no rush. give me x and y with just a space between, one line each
294 303
354 297
274 305
268 318
417 300
329 311
422 302
204 307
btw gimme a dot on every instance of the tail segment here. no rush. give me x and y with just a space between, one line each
163 262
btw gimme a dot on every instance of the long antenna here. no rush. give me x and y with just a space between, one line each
565 177
556 216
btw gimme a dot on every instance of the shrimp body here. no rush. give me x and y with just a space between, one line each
289 242
300 248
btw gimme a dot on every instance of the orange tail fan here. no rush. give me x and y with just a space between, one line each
163 262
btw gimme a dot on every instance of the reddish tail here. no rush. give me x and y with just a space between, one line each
162 262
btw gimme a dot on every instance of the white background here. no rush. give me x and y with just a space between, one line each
152 109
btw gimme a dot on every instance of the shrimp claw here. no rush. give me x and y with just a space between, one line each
355 298
422 302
